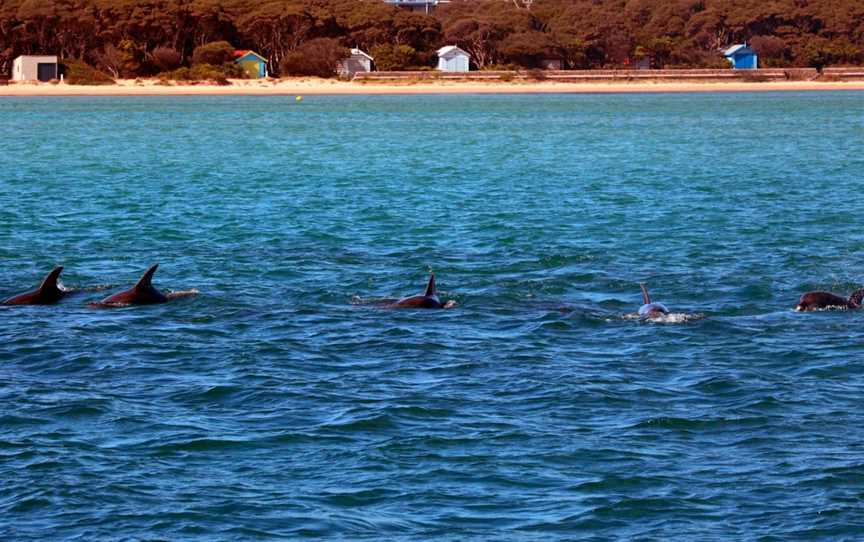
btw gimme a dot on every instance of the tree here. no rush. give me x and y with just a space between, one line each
394 57
276 27
319 57
526 48
216 53
111 59
772 50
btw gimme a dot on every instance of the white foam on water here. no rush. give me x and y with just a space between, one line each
671 318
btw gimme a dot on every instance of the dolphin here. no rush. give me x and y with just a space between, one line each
47 293
650 310
143 293
815 301
426 300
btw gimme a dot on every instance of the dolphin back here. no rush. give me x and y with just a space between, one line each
48 292
652 310
143 293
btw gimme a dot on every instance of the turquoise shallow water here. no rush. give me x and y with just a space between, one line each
281 403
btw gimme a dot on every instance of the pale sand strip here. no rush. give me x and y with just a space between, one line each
312 86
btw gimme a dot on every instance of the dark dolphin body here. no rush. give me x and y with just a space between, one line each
648 309
428 300
143 293
818 301
47 293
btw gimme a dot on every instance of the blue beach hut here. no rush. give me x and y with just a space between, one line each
742 57
252 63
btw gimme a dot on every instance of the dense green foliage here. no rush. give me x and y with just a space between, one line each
137 37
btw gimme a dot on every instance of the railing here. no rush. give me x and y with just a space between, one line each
856 72
771 74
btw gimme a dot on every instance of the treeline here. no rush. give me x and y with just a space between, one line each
131 38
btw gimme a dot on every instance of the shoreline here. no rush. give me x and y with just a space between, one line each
323 87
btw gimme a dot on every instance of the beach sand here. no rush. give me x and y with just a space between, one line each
314 86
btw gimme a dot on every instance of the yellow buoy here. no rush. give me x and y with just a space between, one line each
299 98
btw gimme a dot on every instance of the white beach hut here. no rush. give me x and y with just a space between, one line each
35 68
453 59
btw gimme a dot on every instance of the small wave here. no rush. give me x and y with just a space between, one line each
218 392
93 288
671 318
381 421
44 465
684 424
77 411
9 420
201 445
716 384
363 497
830 308
27 505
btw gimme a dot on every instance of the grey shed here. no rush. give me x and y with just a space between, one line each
357 62
35 68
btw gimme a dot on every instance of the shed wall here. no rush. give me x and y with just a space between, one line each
355 64
26 68
455 63
253 66
744 62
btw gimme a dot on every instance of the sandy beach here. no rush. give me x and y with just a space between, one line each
314 86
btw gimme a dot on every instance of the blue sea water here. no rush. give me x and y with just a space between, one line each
283 402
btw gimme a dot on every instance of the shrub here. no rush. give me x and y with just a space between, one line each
165 58
536 74
207 72
319 57
215 53
389 57
77 72
200 72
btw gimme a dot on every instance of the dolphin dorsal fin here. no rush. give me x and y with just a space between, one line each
50 280
431 291
144 281
646 299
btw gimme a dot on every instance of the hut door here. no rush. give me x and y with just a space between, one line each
46 72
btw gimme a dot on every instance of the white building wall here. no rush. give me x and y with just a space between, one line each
454 63
26 68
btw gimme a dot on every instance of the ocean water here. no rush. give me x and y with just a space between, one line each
284 402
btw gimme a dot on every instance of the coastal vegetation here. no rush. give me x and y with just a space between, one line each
141 38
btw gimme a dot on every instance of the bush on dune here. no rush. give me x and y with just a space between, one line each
204 73
78 72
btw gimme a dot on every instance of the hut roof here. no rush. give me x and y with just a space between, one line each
46 58
739 48
356 51
451 49
245 52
